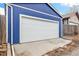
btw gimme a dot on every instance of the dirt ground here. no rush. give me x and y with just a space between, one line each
74 52
71 50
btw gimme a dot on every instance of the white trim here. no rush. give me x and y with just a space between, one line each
6 23
11 25
35 10
73 22
42 19
20 15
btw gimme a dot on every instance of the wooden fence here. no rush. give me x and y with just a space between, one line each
70 30
3 44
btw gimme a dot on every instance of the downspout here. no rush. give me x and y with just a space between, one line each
11 23
61 28
6 22
11 46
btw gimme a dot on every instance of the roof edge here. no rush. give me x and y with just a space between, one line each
53 8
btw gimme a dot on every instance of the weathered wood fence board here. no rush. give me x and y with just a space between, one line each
70 30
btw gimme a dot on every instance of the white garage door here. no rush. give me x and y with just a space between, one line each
33 29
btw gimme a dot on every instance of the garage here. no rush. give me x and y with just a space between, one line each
32 22
34 29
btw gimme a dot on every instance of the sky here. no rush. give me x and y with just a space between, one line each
61 8
1 5
2 10
64 8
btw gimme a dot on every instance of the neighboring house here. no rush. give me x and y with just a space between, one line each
71 18
71 23
29 22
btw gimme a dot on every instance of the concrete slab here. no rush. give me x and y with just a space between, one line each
39 48
8 49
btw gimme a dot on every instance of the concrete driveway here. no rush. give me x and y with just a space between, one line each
39 48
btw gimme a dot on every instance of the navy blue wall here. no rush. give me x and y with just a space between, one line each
9 24
17 11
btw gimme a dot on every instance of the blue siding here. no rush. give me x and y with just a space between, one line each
16 21
9 25
43 7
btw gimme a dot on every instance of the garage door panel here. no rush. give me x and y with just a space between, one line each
35 29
